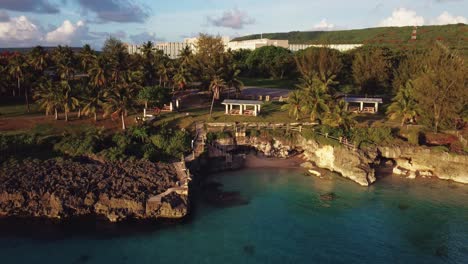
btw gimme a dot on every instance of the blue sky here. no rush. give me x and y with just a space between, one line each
75 22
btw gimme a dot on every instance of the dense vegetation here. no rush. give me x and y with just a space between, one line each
138 142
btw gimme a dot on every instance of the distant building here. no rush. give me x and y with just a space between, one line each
339 47
173 49
257 43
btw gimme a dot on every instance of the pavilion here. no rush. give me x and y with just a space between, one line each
364 104
242 107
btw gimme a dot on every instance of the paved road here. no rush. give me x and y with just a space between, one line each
272 92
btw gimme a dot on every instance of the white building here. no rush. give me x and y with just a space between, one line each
339 47
173 49
257 43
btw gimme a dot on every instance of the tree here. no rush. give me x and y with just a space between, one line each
441 88
65 62
294 104
315 99
152 95
182 77
339 116
210 55
270 61
117 57
371 70
39 59
98 72
16 69
119 101
148 66
49 97
92 101
68 101
87 56
216 86
404 105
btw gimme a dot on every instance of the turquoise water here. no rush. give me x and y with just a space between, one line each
285 221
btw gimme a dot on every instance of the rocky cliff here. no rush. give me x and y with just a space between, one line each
418 161
359 165
61 189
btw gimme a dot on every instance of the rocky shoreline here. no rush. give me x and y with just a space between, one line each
360 166
65 188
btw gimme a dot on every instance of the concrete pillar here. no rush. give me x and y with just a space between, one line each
259 108
227 111
177 102
362 106
144 112
241 109
255 110
376 107
171 107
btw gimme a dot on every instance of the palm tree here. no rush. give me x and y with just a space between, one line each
182 77
98 72
65 61
148 66
164 72
119 101
87 57
49 97
232 78
16 69
216 85
68 102
38 59
404 105
340 117
294 104
315 99
92 101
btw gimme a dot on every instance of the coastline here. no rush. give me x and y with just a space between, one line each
253 161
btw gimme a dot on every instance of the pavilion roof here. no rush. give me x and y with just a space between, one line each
363 100
242 102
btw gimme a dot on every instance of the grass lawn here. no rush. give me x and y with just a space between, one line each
271 112
270 83
15 106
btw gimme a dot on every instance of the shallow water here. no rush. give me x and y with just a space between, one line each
285 221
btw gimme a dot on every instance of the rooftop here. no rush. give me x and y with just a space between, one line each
363 99
242 102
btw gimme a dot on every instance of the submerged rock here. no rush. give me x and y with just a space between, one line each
328 196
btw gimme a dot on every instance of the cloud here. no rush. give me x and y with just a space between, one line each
145 37
447 18
121 11
324 25
69 34
402 17
19 32
234 19
22 32
4 17
34 6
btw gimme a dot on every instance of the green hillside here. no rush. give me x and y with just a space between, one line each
453 35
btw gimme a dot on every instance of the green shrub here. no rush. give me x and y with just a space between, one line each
373 135
80 143
113 154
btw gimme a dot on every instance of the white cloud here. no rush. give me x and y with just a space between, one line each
447 18
19 32
402 17
324 25
68 33
235 19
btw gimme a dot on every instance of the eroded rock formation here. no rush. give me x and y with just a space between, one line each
61 189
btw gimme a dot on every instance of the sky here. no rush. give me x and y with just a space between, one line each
26 23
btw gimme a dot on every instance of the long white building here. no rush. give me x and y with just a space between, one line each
257 43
